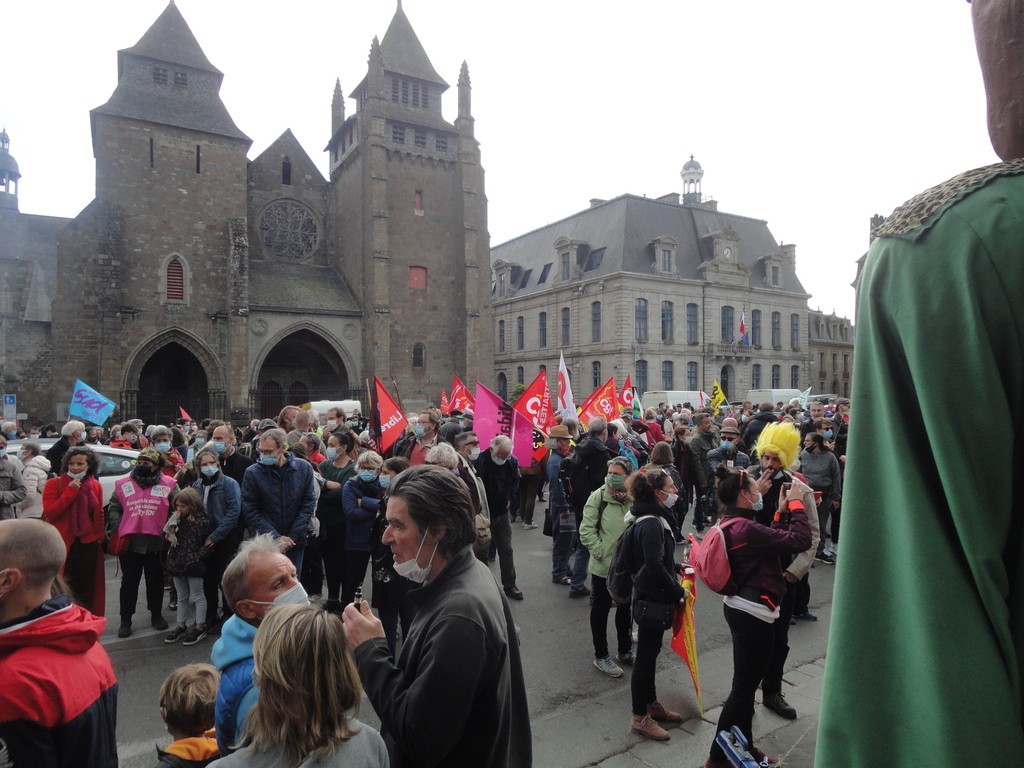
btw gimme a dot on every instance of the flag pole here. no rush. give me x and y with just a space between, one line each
398 395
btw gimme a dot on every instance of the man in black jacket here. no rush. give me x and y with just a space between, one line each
499 471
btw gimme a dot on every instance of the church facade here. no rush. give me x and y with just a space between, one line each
229 287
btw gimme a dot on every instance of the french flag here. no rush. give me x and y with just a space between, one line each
744 336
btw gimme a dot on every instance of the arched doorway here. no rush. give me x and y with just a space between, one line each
171 378
301 367
726 380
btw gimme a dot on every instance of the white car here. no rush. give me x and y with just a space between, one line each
115 463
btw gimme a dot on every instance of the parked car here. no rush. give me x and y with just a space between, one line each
115 463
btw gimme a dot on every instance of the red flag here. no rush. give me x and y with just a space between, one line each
626 396
535 402
601 403
184 414
445 405
392 420
461 398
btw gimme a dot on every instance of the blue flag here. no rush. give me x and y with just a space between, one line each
89 404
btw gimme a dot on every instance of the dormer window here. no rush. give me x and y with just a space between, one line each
665 254
160 75
181 79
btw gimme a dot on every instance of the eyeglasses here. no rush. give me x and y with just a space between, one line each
472 442
729 439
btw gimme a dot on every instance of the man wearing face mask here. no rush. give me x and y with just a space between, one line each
467 447
72 433
223 443
258 578
499 471
778 448
456 695
424 438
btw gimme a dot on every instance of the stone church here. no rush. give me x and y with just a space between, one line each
227 286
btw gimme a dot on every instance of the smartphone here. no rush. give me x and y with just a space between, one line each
785 489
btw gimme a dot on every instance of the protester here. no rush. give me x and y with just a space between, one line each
187 698
361 495
222 499
498 468
12 486
35 472
187 531
456 696
389 589
337 469
58 693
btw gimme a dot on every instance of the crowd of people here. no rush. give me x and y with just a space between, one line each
236 532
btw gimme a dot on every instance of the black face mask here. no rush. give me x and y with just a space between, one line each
144 472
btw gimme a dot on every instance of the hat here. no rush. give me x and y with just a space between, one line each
730 431
152 454
266 424
559 431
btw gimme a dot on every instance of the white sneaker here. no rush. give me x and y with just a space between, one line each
608 666
529 526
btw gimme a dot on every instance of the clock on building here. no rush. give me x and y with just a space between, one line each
727 252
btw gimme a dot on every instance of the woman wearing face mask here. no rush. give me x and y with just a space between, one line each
656 592
73 504
337 469
661 458
222 499
128 439
821 469
35 474
389 589
138 509
604 520
162 439
361 496
754 552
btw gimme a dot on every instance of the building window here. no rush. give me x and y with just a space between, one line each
755 328
595 322
420 139
846 363
692 324
425 97
667 320
394 89
417 202
152 152
544 274
728 331
595 369
666 260
641 319
794 376
441 144
501 285
175 281
565 327
520 334
405 91
198 163
667 375
520 375
286 171
566 274
775 276
641 376
755 376
776 376
418 356
398 134
821 362
416 102
835 363
181 79
542 330
776 331
418 278
501 335
159 75
691 376
502 386
794 331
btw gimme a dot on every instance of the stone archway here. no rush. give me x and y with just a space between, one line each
300 366
172 370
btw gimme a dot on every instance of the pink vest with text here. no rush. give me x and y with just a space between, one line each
144 510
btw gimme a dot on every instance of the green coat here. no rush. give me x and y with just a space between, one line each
601 543
925 651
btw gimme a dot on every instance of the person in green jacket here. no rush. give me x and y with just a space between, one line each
925 661
603 522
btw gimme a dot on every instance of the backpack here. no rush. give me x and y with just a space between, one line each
621 575
710 559
628 453
571 475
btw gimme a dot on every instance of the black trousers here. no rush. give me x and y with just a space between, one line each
355 572
772 682
752 647
332 550
216 564
133 566
599 610
641 684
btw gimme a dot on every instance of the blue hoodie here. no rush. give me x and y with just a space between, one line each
232 656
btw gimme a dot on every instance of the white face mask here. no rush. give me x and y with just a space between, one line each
474 453
293 596
412 570
671 499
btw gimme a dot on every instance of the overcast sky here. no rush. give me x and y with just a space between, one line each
811 115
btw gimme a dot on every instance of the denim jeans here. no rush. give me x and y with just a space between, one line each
752 641
580 564
561 542
190 590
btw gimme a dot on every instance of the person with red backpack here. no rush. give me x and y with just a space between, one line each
754 552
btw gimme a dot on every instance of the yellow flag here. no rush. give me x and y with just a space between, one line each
717 395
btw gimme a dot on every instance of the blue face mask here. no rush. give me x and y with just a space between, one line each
162 447
759 504
384 480
332 453
726 445
498 461
219 446
367 475
420 430
828 434
200 442
209 470
270 460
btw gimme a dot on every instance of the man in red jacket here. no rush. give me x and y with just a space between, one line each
58 698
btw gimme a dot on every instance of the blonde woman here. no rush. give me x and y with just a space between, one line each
309 697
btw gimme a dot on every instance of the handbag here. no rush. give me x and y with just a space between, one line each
117 544
549 527
482 527
654 615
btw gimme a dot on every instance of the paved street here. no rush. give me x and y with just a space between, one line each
580 717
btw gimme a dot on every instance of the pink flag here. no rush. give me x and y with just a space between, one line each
496 417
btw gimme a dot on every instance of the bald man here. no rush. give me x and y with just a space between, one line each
926 652
58 695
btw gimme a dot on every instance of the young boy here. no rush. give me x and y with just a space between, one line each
187 698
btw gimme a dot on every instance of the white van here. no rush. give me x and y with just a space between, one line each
773 396
674 397
321 406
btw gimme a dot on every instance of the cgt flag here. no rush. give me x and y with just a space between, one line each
461 398
626 396
602 402
496 417
445 403
392 420
535 406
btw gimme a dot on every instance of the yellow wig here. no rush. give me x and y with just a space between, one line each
782 439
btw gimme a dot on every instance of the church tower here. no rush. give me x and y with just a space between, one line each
9 174
410 213
157 313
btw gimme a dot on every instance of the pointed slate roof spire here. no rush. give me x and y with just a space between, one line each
403 52
169 40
